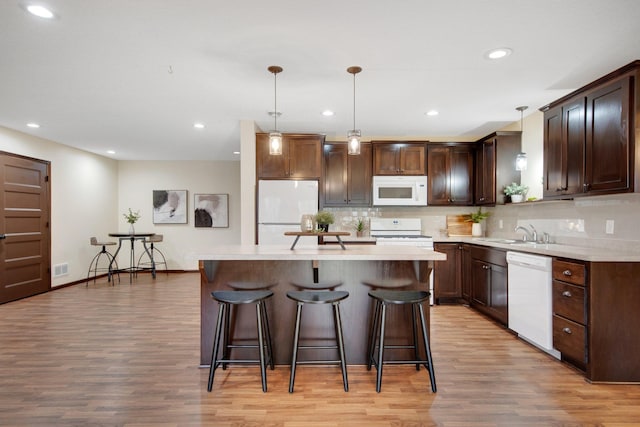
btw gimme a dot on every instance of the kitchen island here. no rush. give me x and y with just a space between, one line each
280 266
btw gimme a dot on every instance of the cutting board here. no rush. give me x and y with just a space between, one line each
457 226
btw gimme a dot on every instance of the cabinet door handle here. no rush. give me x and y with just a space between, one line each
566 294
567 273
567 331
486 267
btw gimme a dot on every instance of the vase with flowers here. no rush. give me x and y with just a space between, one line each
132 218
516 192
476 219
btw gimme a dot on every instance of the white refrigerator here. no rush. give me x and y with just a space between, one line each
281 204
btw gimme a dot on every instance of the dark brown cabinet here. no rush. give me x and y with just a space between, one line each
570 311
346 179
450 171
607 149
447 275
589 138
467 273
596 318
489 282
301 157
398 158
495 166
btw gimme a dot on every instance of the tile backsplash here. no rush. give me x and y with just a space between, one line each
580 222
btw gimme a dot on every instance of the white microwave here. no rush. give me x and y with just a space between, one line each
399 190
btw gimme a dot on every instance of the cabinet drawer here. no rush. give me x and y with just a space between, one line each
569 338
568 301
571 272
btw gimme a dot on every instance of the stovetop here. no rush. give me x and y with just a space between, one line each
401 236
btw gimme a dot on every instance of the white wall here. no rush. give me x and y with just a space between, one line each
84 198
138 179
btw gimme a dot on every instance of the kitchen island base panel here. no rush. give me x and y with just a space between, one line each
356 315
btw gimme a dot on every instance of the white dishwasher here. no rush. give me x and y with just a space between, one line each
530 299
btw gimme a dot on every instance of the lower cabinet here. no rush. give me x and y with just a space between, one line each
596 321
570 311
489 282
447 275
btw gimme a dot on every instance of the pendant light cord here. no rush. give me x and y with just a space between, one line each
275 101
354 100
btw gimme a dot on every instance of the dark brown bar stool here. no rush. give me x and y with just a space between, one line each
225 300
389 284
318 286
382 299
319 297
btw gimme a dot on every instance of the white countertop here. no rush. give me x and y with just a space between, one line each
551 249
324 252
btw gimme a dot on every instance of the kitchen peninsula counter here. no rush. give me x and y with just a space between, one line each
280 266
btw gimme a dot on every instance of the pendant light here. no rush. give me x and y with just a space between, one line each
353 136
521 158
275 137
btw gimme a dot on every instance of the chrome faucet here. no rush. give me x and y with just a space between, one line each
529 234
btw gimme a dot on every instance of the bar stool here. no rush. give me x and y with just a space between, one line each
319 297
382 299
389 284
225 300
318 286
93 266
152 240
252 286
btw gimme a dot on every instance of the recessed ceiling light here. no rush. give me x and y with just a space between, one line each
432 113
236 152
327 113
499 53
33 125
40 11
111 152
198 125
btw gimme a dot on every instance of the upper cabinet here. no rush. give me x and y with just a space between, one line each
495 166
450 171
589 138
301 157
398 158
346 179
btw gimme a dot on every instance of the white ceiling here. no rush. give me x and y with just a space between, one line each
134 75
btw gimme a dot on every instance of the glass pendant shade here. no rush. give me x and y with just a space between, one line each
353 136
521 162
353 141
521 158
275 143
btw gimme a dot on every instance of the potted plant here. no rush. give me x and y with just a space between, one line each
323 219
359 227
516 192
132 218
475 218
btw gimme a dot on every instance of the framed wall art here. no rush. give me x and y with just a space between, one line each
169 206
211 210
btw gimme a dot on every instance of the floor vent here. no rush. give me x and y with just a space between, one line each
61 269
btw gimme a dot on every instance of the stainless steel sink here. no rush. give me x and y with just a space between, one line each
496 240
537 245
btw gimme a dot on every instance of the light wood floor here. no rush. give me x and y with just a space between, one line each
128 356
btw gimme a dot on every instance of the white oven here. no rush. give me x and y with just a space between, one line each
399 190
